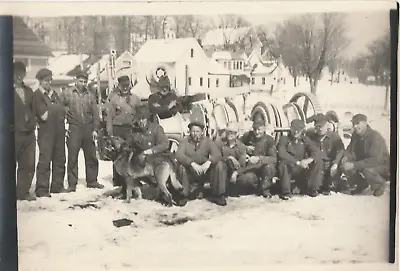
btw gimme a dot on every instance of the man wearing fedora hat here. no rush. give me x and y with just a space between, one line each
299 159
200 160
83 122
331 149
163 103
261 152
366 161
121 110
233 155
24 131
50 113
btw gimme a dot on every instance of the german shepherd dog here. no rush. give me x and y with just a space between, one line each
136 168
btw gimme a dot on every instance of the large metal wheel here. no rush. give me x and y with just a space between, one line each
308 103
270 114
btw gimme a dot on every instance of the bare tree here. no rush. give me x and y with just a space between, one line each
315 40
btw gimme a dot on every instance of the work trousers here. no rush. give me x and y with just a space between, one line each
25 152
308 179
51 140
81 137
373 176
193 183
257 180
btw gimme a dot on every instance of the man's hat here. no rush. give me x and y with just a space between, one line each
43 73
19 66
123 78
297 125
196 120
358 118
320 119
142 112
257 123
232 127
82 74
164 82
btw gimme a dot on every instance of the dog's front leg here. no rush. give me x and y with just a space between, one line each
138 192
129 189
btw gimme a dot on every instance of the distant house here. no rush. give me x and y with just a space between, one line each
240 39
235 63
29 49
125 64
189 69
269 77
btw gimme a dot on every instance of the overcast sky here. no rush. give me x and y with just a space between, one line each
362 27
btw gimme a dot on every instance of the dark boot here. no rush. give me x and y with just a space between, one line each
380 190
285 197
27 197
219 200
59 191
313 194
95 185
43 195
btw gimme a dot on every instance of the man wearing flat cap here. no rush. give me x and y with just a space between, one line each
50 113
331 149
262 159
121 110
83 122
366 161
164 103
24 131
299 159
200 160
233 153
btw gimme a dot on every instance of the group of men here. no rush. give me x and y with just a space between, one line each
309 162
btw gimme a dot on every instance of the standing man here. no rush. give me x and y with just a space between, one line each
51 136
199 160
261 166
121 110
164 103
83 122
24 131
366 161
331 150
298 159
233 155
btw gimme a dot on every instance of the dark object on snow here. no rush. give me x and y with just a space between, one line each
175 221
122 222
84 206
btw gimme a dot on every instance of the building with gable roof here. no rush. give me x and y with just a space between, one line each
189 69
29 49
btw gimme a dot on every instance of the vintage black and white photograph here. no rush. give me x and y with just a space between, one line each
230 139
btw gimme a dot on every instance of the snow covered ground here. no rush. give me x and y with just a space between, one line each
55 235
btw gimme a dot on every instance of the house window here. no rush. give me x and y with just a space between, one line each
263 80
38 62
191 52
208 82
189 81
217 82
127 63
241 65
225 64
253 80
201 81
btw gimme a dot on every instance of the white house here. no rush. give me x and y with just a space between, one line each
29 49
189 69
62 64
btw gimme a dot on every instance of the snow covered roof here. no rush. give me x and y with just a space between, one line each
263 69
26 42
93 69
217 68
228 55
63 64
164 50
222 36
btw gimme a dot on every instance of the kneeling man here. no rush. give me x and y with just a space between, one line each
366 161
200 160
262 158
298 159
